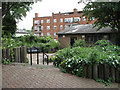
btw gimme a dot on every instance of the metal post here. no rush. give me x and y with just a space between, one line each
47 60
37 56
31 55
43 58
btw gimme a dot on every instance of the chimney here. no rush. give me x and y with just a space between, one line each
75 10
36 14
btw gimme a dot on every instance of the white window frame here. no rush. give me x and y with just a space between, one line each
55 20
54 34
36 34
36 28
76 19
84 19
42 34
48 34
61 20
48 20
42 27
42 21
92 18
48 27
68 20
55 27
37 22
61 26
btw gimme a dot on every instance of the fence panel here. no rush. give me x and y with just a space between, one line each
19 54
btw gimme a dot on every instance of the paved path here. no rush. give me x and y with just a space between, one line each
38 76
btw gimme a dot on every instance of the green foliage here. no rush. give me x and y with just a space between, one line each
12 11
103 42
106 14
45 43
9 24
73 60
80 43
16 9
107 83
6 61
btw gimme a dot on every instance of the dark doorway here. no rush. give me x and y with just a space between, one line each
72 40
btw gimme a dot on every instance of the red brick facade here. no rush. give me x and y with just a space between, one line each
46 27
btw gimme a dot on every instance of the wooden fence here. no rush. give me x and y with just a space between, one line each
102 71
19 54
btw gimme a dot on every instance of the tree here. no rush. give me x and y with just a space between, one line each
16 9
106 13
9 25
12 11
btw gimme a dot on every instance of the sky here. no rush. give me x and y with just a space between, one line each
46 7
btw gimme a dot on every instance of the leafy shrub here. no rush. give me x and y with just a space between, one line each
73 60
80 43
103 42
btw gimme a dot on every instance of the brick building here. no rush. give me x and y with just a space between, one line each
50 25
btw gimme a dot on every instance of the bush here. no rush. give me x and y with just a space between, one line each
80 43
73 60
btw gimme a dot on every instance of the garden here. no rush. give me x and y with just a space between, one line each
100 62
9 43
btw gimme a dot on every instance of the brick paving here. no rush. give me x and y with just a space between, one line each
38 76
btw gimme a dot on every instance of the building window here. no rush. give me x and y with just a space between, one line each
68 20
76 19
54 34
36 34
36 28
42 21
48 21
84 19
48 27
42 34
48 34
61 26
61 20
42 27
36 21
92 18
55 20
55 27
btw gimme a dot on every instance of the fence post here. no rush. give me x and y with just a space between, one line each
8 53
117 76
89 71
85 71
101 71
113 74
15 54
3 53
106 68
21 54
95 71
18 52
24 54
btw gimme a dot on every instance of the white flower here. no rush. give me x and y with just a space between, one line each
68 65
113 62
77 70
110 57
113 56
69 59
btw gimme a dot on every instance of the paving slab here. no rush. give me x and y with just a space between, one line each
42 76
